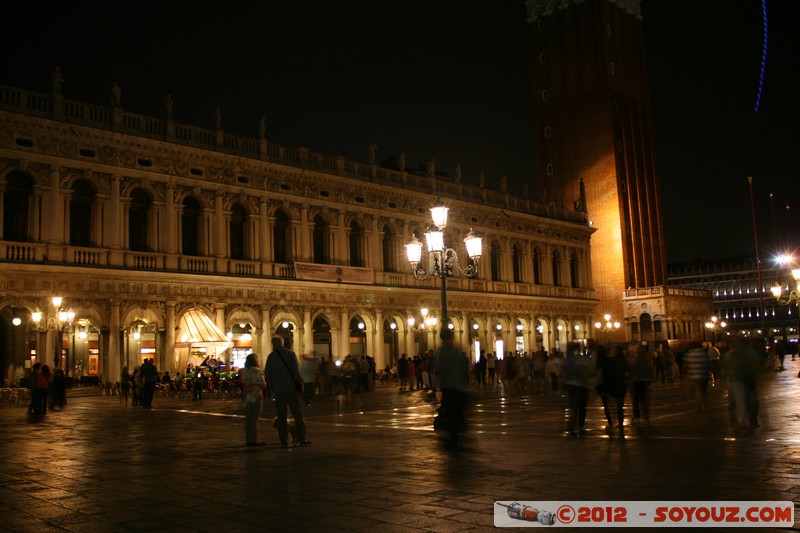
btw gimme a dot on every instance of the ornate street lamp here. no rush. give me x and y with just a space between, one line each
608 326
789 297
442 261
59 320
714 326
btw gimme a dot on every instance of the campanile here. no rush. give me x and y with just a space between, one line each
593 131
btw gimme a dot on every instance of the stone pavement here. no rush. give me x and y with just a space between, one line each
375 463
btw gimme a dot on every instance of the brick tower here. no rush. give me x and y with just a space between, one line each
593 130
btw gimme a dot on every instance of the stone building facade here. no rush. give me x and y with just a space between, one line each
135 221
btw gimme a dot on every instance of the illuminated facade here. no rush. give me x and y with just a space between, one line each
137 221
734 286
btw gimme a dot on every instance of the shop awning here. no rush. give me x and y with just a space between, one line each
197 330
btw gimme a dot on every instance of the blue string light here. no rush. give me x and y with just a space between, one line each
763 55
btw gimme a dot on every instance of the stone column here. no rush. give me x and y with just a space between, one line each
303 237
265 232
219 246
266 335
379 350
308 334
170 356
113 359
344 347
338 242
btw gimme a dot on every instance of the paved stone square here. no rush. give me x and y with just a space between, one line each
375 463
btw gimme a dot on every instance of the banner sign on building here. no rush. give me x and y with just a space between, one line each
334 273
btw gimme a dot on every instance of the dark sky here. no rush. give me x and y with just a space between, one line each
444 80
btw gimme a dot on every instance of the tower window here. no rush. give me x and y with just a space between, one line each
547 131
608 29
613 69
540 24
541 58
545 95
549 169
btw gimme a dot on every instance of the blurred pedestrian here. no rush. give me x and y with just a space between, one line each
452 371
308 371
58 390
641 377
741 371
697 365
41 387
125 384
577 373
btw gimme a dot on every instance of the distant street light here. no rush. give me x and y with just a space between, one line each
608 326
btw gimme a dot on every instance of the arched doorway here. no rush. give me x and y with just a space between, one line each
358 337
322 338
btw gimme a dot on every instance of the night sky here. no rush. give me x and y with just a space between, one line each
444 80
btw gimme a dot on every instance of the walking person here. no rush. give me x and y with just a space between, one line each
452 371
149 374
285 385
578 372
42 387
308 371
253 384
125 383
641 377
33 405
697 366
58 390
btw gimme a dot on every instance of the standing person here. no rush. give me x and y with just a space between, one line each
42 387
308 371
125 383
697 365
641 377
253 384
491 364
452 371
149 375
136 384
577 374
35 370
285 384
411 372
402 371
617 383
480 368
604 370
716 366
58 390
741 372
553 369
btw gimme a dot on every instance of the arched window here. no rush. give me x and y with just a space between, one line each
322 337
537 266
356 242
238 231
138 220
190 226
281 238
556 268
517 263
320 240
494 260
387 247
646 324
574 276
16 206
81 204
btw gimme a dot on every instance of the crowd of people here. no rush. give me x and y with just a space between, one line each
612 372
